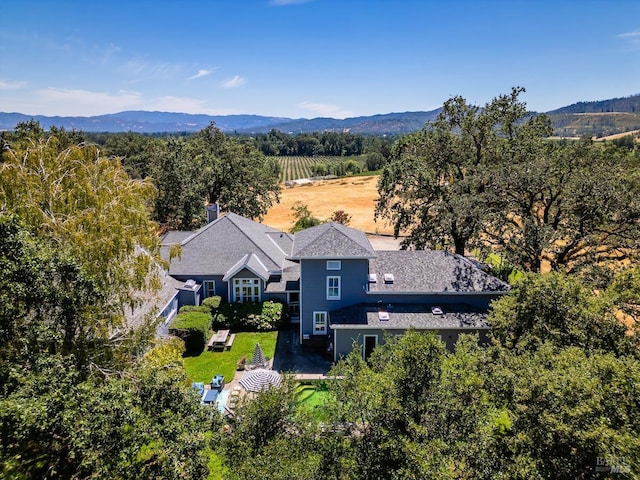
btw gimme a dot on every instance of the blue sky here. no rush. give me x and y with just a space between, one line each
297 58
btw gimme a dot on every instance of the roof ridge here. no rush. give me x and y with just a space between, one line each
251 239
201 230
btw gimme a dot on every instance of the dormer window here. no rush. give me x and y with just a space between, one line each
334 264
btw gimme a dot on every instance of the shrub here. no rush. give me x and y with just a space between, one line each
272 314
194 308
213 303
193 328
253 317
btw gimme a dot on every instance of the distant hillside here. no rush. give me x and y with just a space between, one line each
598 119
143 122
155 122
390 123
629 104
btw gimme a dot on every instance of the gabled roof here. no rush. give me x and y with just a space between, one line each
252 263
331 240
430 271
219 246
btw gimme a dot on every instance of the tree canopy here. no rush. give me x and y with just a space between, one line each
490 178
76 198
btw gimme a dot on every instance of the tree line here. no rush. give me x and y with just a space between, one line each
337 144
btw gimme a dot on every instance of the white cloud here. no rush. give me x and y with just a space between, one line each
201 73
631 39
141 70
326 110
183 105
629 34
12 85
73 102
70 102
235 82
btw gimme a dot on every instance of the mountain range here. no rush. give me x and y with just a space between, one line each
599 118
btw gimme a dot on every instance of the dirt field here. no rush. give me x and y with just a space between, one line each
354 195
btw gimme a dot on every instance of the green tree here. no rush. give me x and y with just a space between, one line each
82 201
73 404
303 217
436 187
180 200
567 207
566 409
558 310
236 176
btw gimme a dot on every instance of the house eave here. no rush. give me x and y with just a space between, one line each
444 294
330 257
356 326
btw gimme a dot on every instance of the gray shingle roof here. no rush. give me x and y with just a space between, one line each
331 240
289 281
252 263
218 246
403 316
427 271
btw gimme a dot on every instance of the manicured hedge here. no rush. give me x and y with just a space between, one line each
192 327
213 303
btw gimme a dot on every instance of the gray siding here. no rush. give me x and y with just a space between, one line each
344 339
221 287
313 288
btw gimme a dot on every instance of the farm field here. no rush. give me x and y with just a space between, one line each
294 167
355 195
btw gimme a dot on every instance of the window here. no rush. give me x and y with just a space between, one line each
319 323
370 343
333 288
294 304
246 289
334 264
209 287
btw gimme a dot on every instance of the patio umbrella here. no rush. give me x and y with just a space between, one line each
260 379
259 359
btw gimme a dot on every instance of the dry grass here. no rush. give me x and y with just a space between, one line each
355 195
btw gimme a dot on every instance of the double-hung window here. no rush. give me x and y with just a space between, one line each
246 289
319 323
209 287
333 288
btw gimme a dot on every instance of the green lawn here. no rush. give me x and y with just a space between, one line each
208 364
313 401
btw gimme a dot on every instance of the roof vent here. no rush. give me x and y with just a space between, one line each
383 316
373 278
435 310
388 278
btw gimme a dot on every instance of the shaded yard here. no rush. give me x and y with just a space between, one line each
204 366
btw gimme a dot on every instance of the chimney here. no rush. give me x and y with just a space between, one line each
213 211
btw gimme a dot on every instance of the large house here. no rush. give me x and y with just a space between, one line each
337 287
